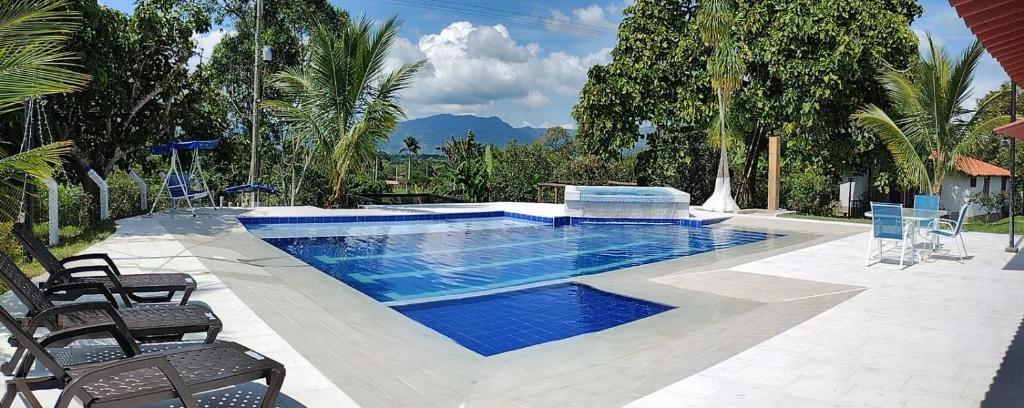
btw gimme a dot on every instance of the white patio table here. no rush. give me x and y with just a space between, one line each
914 217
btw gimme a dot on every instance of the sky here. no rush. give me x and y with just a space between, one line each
526 60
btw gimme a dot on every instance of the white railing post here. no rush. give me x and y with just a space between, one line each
104 194
52 203
143 200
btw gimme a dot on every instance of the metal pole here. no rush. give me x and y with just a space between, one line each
256 96
1013 166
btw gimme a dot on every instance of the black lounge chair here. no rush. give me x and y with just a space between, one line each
127 286
151 323
137 378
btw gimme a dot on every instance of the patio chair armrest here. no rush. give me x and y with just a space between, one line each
91 257
125 340
951 224
56 311
157 361
89 287
68 273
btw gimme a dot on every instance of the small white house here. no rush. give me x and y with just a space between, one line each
972 176
969 176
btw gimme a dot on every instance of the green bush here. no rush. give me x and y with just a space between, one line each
8 245
808 192
73 205
517 170
360 184
124 196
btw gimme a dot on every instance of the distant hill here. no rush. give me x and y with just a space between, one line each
434 131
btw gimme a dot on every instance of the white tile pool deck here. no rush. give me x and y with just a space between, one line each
931 335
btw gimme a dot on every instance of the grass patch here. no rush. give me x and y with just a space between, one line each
826 218
73 240
997 227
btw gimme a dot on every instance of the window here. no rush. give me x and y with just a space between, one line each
987 182
974 181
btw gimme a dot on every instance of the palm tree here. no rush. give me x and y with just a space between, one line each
929 129
412 147
714 21
343 99
33 63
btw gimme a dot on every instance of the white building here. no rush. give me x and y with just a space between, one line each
972 176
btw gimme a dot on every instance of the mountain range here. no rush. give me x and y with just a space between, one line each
434 131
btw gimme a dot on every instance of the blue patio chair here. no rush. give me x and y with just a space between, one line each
955 231
926 202
887 225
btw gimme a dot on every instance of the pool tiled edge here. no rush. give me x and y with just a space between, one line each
556 221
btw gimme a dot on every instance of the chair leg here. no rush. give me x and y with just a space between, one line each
274 381
903 250
867 260
963 246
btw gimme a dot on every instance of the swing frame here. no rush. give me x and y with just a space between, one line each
184 183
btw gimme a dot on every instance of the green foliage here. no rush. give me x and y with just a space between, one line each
808 192
589 169
124 196
72 206
8 245
926 141
465 172
993 204
360 184
518 169
809 65
140 86
33 60
342 100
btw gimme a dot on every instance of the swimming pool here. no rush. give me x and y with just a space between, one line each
408 261
495 284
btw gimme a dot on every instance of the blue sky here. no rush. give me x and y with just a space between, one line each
525 60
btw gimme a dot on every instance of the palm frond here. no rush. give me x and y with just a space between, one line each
32 61
873 119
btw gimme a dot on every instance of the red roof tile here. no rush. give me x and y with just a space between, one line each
975 167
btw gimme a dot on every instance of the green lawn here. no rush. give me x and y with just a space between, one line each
72 241
827 218
997 227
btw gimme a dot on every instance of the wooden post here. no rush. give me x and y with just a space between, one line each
773 173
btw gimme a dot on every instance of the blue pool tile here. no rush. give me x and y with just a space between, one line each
502 322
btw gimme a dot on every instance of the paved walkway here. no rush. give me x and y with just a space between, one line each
142 245
931 335
802 324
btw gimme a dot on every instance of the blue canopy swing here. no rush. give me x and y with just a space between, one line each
179 185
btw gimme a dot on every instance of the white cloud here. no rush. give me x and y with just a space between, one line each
204 44
592 15
481 69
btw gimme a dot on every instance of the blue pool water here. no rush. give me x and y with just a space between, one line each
506 321
408 261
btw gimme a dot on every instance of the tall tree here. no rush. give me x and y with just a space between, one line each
725 68
809 65
140 81
929 129
343 98
412 148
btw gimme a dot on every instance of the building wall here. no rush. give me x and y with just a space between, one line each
956 188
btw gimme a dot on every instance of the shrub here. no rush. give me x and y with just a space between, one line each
361 184
517 170
73 205
587 169
809 192
995 205
8 245
124 196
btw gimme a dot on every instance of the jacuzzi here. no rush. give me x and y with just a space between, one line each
626 202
